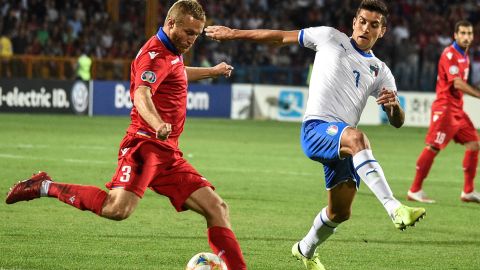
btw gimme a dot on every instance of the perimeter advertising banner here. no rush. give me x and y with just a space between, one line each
44 96
203 100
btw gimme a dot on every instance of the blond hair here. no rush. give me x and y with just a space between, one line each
186 7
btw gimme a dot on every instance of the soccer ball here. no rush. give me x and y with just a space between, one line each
206 261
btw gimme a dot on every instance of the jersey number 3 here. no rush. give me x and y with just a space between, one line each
126 173
357 77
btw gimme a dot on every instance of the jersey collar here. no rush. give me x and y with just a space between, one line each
365 54
460 50
166 41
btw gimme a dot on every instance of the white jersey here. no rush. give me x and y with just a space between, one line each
343 76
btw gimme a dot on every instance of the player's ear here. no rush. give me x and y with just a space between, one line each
382 32
170 22
354 20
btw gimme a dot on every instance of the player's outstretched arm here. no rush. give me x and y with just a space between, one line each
200 73
273 37
466 88
144 104
388 99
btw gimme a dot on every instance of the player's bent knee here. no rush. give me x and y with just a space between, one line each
119 205
341 216
356 140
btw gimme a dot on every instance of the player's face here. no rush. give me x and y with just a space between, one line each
464 36
367 28
184 32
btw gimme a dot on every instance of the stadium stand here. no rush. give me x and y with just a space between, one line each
47 37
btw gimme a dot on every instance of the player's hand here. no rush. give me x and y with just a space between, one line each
163 131
222 69
219 33
388 99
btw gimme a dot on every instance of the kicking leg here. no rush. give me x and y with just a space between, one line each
221 238
117 205
338 210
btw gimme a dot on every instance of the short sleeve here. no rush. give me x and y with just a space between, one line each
385 81
449 65
314 37
151 69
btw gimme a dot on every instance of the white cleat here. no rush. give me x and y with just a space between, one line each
419 196
470 197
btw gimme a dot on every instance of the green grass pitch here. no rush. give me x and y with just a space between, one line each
273 191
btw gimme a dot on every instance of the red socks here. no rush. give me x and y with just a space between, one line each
424 163
224 243
470 162
82 197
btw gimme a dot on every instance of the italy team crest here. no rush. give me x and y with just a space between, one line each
332 130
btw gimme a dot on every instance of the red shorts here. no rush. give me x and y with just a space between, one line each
144 162
445 125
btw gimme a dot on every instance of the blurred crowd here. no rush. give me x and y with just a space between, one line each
418 30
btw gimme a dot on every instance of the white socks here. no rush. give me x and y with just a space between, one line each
372 174
44 188
322 229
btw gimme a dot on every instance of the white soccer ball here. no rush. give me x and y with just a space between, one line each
206 261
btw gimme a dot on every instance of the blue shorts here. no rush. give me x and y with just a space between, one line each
321 142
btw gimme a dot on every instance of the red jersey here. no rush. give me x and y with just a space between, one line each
454 63
159 66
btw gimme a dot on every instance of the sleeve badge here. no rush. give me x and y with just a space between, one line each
149 76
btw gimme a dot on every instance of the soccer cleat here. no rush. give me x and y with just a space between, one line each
405 216
419 196
27 190
470 197
310 264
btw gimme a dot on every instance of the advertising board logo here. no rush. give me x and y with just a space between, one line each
199 101
290 103
122 97
79 97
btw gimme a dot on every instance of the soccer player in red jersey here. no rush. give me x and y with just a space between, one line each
448 120
149 156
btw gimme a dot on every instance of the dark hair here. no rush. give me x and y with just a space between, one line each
464 23
376 6
186 7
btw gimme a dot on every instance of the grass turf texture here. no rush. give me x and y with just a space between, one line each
273 191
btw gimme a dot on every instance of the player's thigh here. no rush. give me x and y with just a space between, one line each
467 134
339 171
139 164
205 201
120 203
320 140
179 183
441 132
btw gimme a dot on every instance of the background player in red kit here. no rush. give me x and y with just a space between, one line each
448 120
149 155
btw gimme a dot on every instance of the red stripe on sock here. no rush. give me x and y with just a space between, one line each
82 197
223 241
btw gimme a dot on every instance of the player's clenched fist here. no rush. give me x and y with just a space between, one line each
163 131
222 69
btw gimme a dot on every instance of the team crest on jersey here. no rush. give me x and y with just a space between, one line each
453 70
149 76
374 70
332 130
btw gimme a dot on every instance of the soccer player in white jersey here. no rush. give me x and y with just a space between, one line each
345 73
